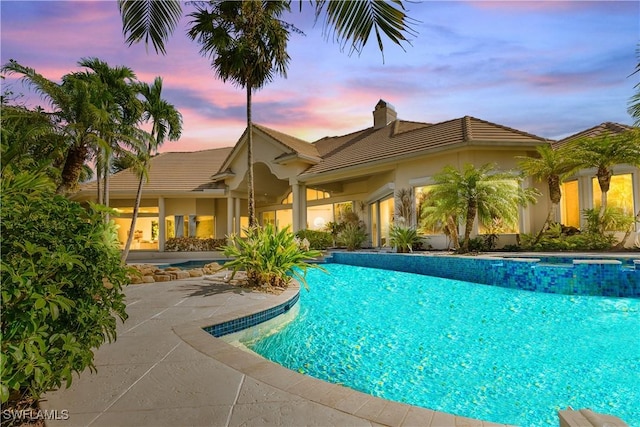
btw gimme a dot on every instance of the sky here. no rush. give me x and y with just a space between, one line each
549 68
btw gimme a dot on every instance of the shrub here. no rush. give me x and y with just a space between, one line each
269 257
352 236
190 244
62 282
403 238
575 242
478 244
319 240
613 219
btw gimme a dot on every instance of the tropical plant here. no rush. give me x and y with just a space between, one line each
352 22
116 111
613 219
440 214
479 192
403 238
552 241
404 205
247 44
93 113
166 123
317 239
61 286
73 115
352 236
269 257
604 151
553 166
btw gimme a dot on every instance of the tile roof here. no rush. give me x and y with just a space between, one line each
295 144
606 127
169 172
401 138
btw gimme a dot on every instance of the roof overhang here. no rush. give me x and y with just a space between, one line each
287 158
223 175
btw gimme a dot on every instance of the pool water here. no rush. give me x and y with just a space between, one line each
486 352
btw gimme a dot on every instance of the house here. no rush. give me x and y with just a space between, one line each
307 185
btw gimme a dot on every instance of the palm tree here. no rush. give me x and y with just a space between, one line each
603 152
352 21
480 192
247 44
553 166
73 114
441 213
115 99
166 124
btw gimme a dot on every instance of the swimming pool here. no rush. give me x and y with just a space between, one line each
486 352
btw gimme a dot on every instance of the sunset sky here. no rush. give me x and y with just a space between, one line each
546 67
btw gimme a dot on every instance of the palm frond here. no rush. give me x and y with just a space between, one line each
352 22
149 20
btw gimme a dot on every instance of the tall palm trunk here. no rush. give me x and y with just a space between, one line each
72 168
107 169
453 232
99 179
471 216
251 195
604 180
134 216
555 195
627 233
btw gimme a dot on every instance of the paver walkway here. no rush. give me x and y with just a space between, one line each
163 370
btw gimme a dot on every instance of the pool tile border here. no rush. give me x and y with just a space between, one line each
340 398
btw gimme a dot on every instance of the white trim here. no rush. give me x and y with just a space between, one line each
380 193
421 182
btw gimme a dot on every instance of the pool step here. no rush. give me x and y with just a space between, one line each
588 418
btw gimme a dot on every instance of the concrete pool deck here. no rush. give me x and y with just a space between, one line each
164 370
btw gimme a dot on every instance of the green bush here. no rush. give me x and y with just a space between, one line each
269 257
352 236
189 244
478 244
403 238
576 242
319 240
61 287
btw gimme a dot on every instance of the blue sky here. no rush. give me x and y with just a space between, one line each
547 67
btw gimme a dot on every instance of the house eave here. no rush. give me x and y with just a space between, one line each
222 176
292 157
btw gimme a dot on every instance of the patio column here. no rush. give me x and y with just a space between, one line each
299 206
230 205
162 232
238 226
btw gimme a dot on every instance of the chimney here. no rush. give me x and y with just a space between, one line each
383 114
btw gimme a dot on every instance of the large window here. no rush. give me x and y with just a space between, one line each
319 216
620 194
570 204
280 218
145 236
381 219
428 223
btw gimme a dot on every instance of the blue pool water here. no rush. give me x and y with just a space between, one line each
497 354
